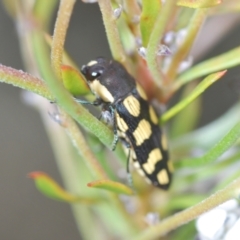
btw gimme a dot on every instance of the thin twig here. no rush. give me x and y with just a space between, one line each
155 38
112 32
59 35
183 217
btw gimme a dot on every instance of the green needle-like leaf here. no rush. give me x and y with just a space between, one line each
187 215
73 81
43 11
197 91
212 155
198 3
191 112
150 11
47 186
111 186
224 61
25 81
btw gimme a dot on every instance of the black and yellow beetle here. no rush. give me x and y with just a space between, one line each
134 120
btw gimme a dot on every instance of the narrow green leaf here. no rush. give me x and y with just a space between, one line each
197 91
66 59
127 38
150 11
212 155
184 201
224 61
193 27
209 134
64 98
43 11
191 112
25 81
111 186
73 81
163 19
47 186
210 172
112 33
178 219
198 3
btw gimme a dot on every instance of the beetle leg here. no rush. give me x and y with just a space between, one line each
129 176
116 137
96 102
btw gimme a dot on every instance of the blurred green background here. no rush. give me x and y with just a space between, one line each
24 147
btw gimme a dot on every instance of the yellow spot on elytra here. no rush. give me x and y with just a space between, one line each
149 168
121 123
153 157
91 63
162 177
153 115
132 105
142 132
101 91
141 92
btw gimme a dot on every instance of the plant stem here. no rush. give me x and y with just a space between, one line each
185 216
82 147
64 99
202 86
112 32
133 13
222 146
155 38
194 25
66 102
25 81
224 61
70 167
59 35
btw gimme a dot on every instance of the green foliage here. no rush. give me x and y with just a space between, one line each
150 11
74 82
85 162
111 186
47 186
